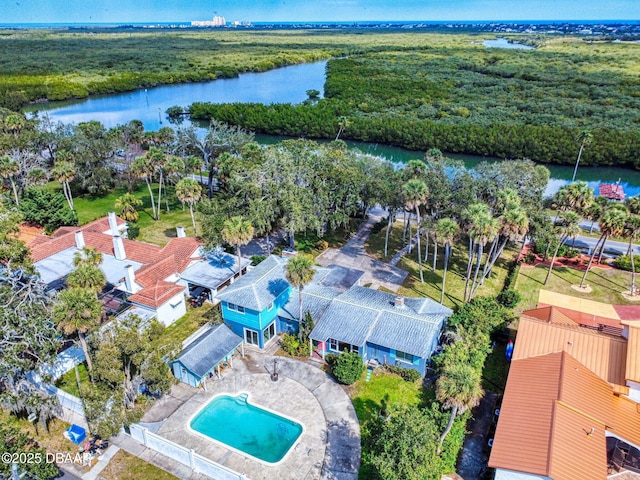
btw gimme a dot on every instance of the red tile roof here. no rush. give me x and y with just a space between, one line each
159 263
613 191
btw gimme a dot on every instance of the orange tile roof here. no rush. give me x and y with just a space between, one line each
551 314
159 263
633 352
581 318
554 417
603 354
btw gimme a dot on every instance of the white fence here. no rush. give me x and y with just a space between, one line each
66 400
183 455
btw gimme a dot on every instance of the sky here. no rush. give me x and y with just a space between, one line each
123 11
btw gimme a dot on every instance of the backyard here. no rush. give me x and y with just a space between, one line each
607 284
412 287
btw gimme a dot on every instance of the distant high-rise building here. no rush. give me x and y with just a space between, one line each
218 21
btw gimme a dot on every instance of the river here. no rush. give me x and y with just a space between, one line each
282 85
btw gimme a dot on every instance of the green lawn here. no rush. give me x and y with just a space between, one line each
157 232
68 382
607 284
124 466
189 323
367 397
454 292
496 369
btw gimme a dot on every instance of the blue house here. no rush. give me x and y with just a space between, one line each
377 325
250 305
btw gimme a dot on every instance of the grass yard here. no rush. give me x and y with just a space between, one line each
52 440
124 466
496 370
68 382
607 284
454 291
367 397
157 232
189 323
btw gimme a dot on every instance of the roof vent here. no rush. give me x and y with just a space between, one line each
399 302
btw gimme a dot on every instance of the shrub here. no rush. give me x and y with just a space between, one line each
624 263
47 208
290 343
529 258
408 374
256 259
322 245
509 298
331 358
348 368
379 226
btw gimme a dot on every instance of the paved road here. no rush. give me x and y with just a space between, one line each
612 247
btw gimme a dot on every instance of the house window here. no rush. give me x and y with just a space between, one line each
333 344
269 332
251 337
404 357
337 346
235 308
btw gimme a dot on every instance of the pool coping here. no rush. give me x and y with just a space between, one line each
241 452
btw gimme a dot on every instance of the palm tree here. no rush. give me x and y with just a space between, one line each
483 231
415 193
585 138
87 256
87 277
172 167
237 231
576 196
64 172
457 388
633 230
77 311
299 272
142 168
343 122
157 159
447 230
612 223
569 223
8 170
128 204
189 191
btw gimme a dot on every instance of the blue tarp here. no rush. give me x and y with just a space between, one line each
76 434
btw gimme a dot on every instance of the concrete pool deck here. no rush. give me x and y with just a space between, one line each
329 447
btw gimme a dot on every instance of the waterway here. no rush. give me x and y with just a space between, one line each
283 85
504 43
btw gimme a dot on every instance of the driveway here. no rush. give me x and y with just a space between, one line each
354 255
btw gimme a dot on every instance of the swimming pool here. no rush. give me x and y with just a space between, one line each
247 428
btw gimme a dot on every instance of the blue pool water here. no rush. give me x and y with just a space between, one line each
245 427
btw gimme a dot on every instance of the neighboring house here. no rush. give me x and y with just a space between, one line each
570 406
205 354
147 275
377 325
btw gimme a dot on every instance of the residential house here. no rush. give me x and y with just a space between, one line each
570 406
377 325
146 275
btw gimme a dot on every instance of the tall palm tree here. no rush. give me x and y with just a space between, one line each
632 229
299 272
585 138
569 223
576 196
611 223
343 123
189 191
457 388
64 172
8 170
142 168
447 230
157 159
483 231
77 311
237 231
415 193
172 168
128 205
